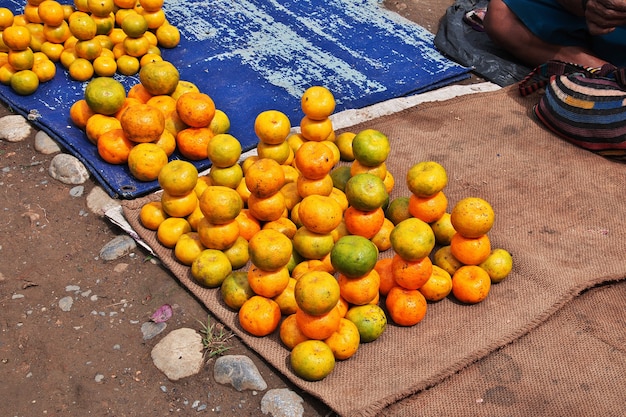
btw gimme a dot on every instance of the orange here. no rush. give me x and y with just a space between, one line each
195 109
104 26
203 183
24 82
280 152
126 64
267 209
282 225
248 225
143 123
316 292
152 215
340 176
136 47
81 69
472 217
31 13
344 144
428 209
406 307
305 266
179 205
364 223
183 87
168 36
264 177
370 147
195 217
317 102
139 92
188 248
80 112
389 181
88 49
383 267
98 124
210 268
312 360
382 239
345 341
178 177
21 60
444 259
498 264
411 274
220 204
165 103
314 160
360 290
128 101
6 18
268 283
192 142
220 122
354 256
426 178
379 170
82 26
100 7
134 25
307 186
286 299
170 230
104 66
366 192
340 197
412 239
318 327
52 50
149 58
51 12
105 95
218 236
316 130
16 38
370 319
292 197
470 284
235 289
224 150
154 19
443 229
470 251
259 316
270 250
145 161
289 332
159 77
272 127
295 140
237 253
312 245
320 214
438 286
114 147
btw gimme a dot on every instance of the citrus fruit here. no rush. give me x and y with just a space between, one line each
317 102
406 307
438 286
272 127
286 299
320 214
366 192
237 253
444 259
428 209
345 341
152 215
383 267
426 178
314 160
114 147
470 284
220 204
218 236
412 239
270 249
370 147
224 150
398 209
289 332
498 264
264 177
178 177
170 230
235 289
472 217
311 245
259 315
312 360
187 248
316 292
268 283
340 176
318 326
195 109
210 268
105 95
179 205
470 251
134 25
443 229
143 123
411 274
354 256
370 319
192 142
359 290
316 130
364 223
16 37
24 82
159 77
146 160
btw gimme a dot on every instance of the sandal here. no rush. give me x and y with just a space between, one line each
474 18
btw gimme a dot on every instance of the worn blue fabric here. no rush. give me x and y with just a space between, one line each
256 55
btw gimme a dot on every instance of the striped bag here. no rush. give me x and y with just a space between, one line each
585 106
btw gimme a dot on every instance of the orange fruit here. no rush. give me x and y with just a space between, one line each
444 259
370 147
311 245
126 64
104 66
428 209
316 130
316 292
289 332
320 214
366 192
498 264
88 49
268 283
443 229
237 253
379 170
224 150
344 144
307 186
179 205
165 103
340 176
134 25
426 178
220 204
183 87
149 58
143 123
370 319
82 26
314 160
364 223
389 182
154 19
139 92
470 251
272 127
235 289
210 268
267 209
105 95
264 177
152 215
178 177
292 197
280 152
438 286
159 77
248 225
6 17
270 250
195 109
168 36
406 307
472 217
100 7
98 124
398 209
104 26
24 82
345 341
195 217
114 147
359 290
170 230
312 360
136 47
81 69
317 102
282 225
218 236
320 326
383 267
220 122
80 112
16 38
21 60
340 197
412 239
51 12
286 299
145 161
411 274
259 316
192 142
470 284
382 239
354 256
188 248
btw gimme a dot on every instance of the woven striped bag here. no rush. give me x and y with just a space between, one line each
585 106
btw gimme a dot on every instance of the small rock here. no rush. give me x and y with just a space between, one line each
120 246
68 169
239 371
14 128
282 402
77 191
72 288
179 354
98 201
65 303
44 144
99 378
121 267
150 329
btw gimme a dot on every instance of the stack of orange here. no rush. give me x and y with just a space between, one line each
224 151
272 127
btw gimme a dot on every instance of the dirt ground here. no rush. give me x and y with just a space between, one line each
92 360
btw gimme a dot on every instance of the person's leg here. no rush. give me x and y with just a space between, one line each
510 34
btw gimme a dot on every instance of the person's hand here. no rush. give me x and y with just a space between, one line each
604 15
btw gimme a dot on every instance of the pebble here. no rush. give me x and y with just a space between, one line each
77 191
65 303
150 329
68 169
14 128
44 144
179 354
282 402
98 201
239 371
120 246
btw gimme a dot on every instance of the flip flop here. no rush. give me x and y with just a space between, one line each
474 18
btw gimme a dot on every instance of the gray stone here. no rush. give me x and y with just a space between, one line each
239 371
98 201
68 169
14 128
282 402
45 144
179 354
65 303
150 329
120 246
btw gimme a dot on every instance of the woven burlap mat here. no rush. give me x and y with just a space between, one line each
559 211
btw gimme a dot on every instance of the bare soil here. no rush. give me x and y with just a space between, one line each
92 359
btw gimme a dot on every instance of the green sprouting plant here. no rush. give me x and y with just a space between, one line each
215 338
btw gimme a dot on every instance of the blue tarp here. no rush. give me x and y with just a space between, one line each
256 55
